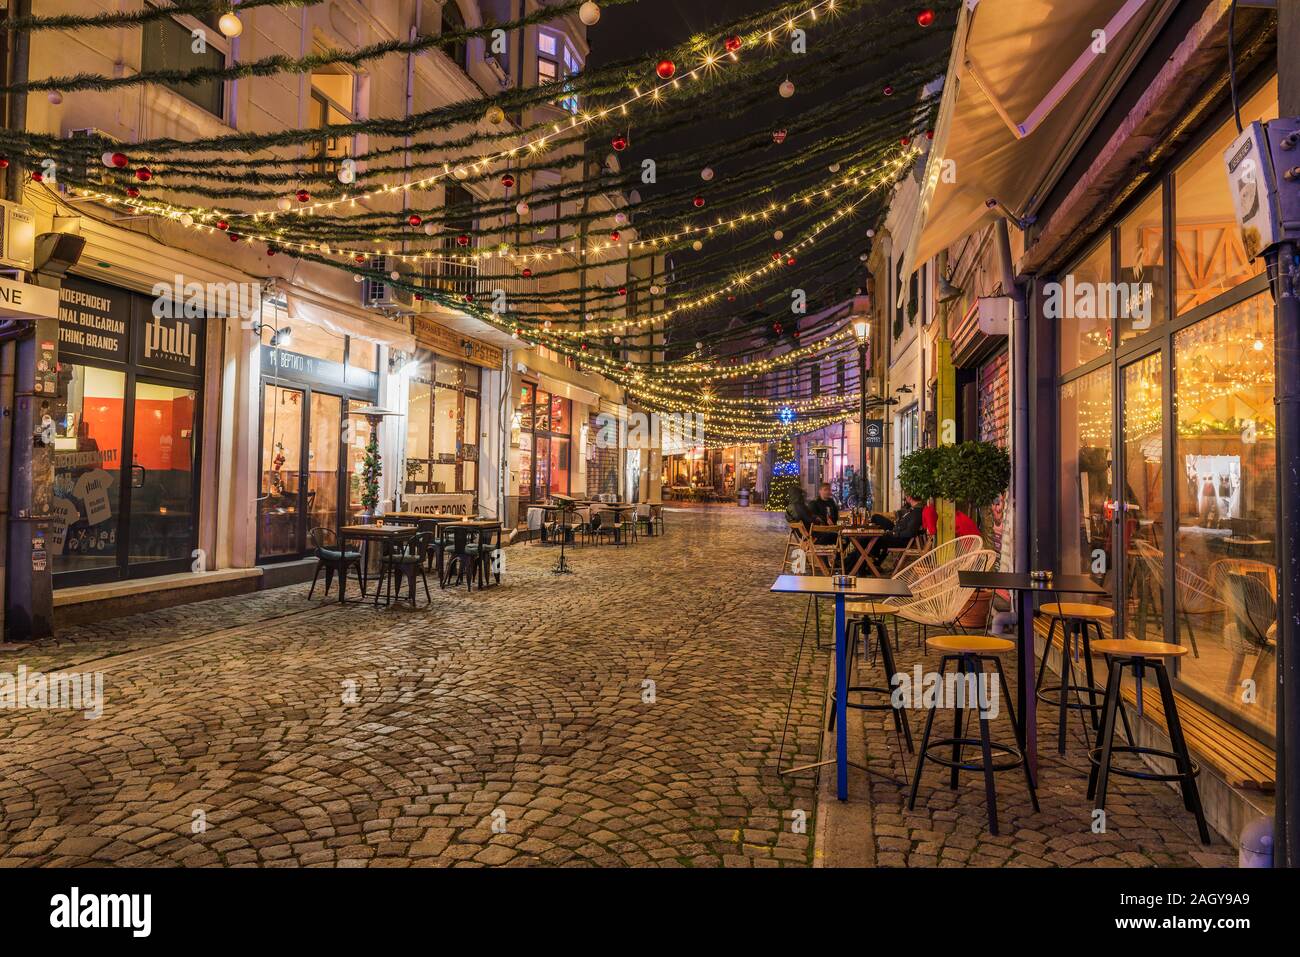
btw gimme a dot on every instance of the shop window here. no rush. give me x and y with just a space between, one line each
169 44
1209 258
441 426
87 468
1081 302
1225 454
453 21
1087 408
1144 296
306 338
557 60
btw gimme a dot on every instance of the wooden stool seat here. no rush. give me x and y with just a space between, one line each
1132 647
970 644
869 608
1077 609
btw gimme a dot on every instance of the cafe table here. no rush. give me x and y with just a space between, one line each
823 586
1024 588
386 535
861 538
618 508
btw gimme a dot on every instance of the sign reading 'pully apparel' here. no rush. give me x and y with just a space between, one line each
98 321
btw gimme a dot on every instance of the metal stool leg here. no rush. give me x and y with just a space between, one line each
973 666
1191 794
925 743
1097 777
1020 738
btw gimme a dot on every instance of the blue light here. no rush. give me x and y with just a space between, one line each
786 415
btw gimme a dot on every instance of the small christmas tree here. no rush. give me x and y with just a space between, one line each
370 474
785 477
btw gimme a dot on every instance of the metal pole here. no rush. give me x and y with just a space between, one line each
862 427
1282 266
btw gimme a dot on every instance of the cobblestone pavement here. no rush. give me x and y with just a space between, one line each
1146 824
505 727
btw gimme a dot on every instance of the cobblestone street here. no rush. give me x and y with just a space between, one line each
503 727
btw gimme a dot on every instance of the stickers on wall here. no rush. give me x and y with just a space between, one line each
65 513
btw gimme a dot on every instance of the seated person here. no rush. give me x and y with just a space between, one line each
799 511
907 525
825 507
965 525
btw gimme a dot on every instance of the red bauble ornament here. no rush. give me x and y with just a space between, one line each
776 256
133 192
583 347
666 69
622 290
303 196
358 259
469 297
507 181
119 160
414 219
925 17
234 237
778 328
613 237
778 137
790 261
619 143
905 141
37 178
271 250
4 162
888 91
462 240
732 43
528 273
222 225
699 202
419 297
929 134
144 174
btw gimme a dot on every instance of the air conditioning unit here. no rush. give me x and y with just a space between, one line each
377 294
17 235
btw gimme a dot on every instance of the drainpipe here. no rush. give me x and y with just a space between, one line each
1019 395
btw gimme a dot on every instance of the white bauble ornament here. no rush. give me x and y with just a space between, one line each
699 345
655 290
55 97
589 13
697 245
778 235
107 160
870 233
620 218
430 228
835 167
394 275
187 219
706 174
461 173
284 204
787 90
230 25
357 277
522 209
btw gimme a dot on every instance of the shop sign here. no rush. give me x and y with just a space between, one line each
874 433
456 345
169 344
93 320
439 503
23 300
300 368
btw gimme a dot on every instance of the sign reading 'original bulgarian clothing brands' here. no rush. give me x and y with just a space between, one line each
94 320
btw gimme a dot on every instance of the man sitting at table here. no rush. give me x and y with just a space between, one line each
824 506
907 525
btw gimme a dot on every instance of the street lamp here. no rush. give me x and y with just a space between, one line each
862 332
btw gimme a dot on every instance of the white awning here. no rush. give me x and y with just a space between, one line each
567 389
1026 81
332 315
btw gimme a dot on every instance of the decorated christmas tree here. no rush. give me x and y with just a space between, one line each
785 477
370 466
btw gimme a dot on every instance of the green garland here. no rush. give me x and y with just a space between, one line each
147 14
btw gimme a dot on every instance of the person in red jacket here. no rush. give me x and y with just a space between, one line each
930 519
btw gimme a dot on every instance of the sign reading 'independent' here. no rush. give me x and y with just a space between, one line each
93 320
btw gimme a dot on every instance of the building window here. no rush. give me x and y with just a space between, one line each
453 21
1225 574
168 44
1209 258
442 426
1085 512
1083 308
557 60
1144 295
333 103
544 444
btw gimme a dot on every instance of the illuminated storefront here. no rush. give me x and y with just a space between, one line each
126 435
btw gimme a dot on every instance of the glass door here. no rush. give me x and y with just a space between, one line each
324 429
279 504
162 518
358 436
1139 504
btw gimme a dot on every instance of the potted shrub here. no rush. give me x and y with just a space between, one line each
918 473
974 475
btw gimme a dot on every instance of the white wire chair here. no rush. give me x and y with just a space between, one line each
925 564
1194 595
937 600
1253 611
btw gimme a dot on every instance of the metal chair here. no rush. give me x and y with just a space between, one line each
334 560
404 559
937 600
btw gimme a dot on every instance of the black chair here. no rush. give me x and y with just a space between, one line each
465 557
433 555
489 547
404 559
335 560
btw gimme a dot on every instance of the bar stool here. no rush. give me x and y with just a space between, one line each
1138 657
869 614
968 653
1077 621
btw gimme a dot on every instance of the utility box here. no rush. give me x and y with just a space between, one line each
18 242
